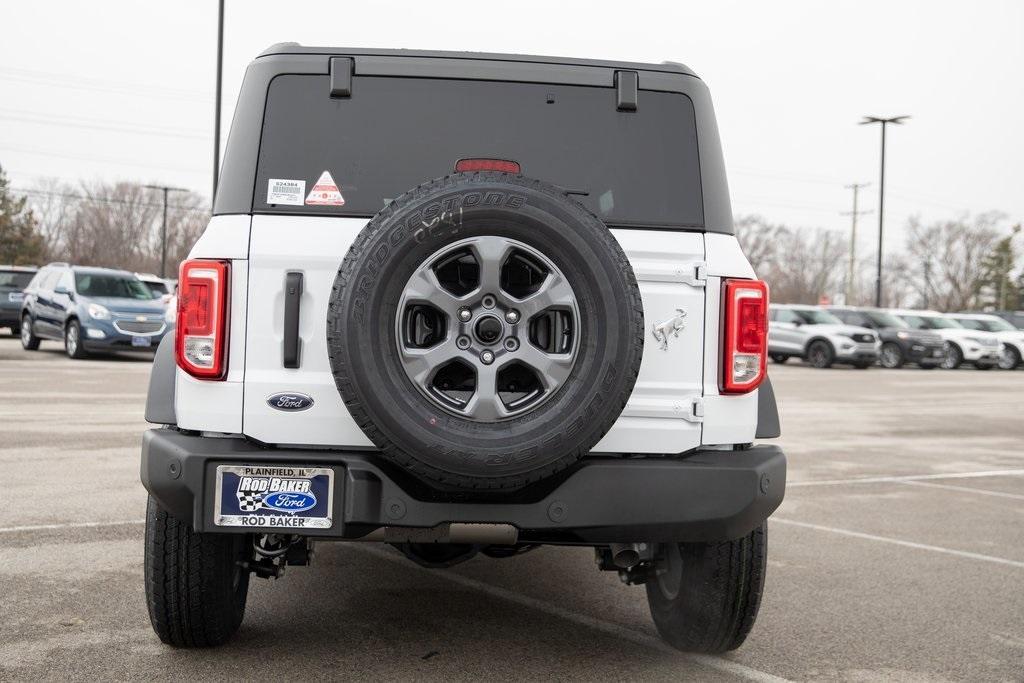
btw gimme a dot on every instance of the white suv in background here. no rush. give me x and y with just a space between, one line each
818 337
1011 338
977 347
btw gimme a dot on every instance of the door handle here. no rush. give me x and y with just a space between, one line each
292 300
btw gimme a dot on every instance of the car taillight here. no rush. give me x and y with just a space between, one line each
503 165
200 343
745 336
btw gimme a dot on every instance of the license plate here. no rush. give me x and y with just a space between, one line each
283 498
142 341
16 296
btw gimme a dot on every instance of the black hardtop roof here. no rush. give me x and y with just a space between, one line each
296 49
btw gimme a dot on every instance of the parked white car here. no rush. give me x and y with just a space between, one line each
981 349
818 337
1011 338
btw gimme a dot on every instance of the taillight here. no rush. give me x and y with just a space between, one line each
502 165
200 343
745 337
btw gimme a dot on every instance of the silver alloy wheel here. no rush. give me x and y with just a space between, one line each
953 357
71 340
891 356
1008 358
515 347
26 332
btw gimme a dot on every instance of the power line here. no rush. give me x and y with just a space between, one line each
105 160
76 122
107 200
74 82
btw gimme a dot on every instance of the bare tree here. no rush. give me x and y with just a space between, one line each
950 255
759 239
116 225
808 266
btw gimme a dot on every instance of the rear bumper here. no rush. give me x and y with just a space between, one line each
707 496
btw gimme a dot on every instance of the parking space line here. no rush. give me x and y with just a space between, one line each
965 489
639 637
909 477
906 544
68 525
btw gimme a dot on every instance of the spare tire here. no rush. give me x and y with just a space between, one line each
485 331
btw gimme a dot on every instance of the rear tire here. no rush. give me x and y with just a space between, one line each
780 358
820 354
705 596
29 341
195 585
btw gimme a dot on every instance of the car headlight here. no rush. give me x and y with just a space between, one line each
98 312
903 335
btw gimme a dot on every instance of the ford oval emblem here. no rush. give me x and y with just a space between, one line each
290 501
290 401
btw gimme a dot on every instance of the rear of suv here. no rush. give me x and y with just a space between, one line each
466 303
90 310
13 281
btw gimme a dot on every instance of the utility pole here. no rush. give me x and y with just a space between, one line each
216 104
850 285
163 229
897 120
927 281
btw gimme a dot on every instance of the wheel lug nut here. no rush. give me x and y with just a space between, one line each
487 357
512 317
511 343
465 314
462 342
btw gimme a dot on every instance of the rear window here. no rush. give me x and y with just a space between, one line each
15 279
637 168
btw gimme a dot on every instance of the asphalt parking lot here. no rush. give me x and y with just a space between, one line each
897 555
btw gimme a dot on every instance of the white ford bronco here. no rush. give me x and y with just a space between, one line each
465 304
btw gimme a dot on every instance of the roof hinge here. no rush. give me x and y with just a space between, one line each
341 76
627 86
694 409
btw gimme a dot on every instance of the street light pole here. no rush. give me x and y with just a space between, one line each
163 228
216 104
898 120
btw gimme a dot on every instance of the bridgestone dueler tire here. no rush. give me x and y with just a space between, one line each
195 588
720 588
452 452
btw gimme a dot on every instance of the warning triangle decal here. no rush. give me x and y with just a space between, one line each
325 192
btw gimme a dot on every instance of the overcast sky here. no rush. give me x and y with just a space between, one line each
124 90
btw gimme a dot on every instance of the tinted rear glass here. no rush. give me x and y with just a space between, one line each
639 168
15 279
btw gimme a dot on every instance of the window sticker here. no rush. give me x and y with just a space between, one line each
325 192
283 191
